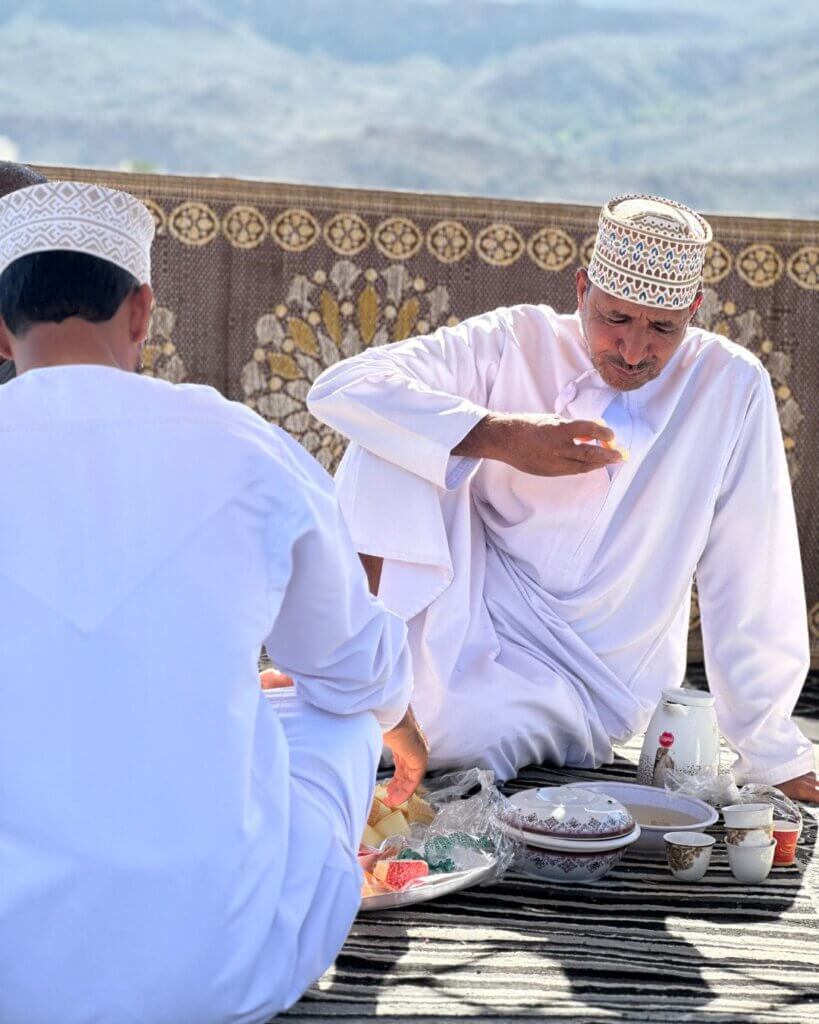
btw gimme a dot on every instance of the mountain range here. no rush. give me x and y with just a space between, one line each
714 104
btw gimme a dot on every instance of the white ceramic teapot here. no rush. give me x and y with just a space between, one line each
683 734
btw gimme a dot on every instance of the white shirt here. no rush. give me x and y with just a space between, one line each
607 560
151 539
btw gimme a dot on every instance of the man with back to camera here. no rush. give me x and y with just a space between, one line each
12 177
546 582
174 846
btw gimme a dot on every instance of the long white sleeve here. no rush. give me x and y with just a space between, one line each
344 650
753 605
412 402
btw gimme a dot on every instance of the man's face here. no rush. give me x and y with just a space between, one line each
629 344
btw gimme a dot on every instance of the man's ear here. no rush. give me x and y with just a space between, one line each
139 317
5 341
695 305
582 283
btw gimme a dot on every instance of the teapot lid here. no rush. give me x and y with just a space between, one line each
691 698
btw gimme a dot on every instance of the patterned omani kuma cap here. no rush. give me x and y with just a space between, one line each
69 216
650 250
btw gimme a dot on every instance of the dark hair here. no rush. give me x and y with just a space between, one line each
49 287
14 176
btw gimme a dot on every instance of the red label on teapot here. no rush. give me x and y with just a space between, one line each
666 739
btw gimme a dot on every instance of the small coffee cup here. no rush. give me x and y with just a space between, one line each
786 835
747 815
751 863
688 854
760 836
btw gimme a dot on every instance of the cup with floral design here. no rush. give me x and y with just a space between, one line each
688 854
760 835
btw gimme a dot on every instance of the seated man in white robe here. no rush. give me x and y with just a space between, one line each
174 846
547 581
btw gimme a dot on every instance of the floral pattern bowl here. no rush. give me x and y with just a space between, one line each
562 867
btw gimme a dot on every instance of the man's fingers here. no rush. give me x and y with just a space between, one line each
593 455
398 790
589 430
574 468
411 752
403 784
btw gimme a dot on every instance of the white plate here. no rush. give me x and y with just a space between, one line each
651 842
429 888
544 842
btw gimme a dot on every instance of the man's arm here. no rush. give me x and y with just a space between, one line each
341 648
540 444
410 403
418 403
543 445
753 604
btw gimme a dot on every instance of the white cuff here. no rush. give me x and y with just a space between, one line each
459 469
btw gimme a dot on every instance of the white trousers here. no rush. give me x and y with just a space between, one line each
245 957
333 762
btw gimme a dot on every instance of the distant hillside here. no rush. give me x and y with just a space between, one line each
716 104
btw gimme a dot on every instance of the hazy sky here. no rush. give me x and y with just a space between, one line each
715 103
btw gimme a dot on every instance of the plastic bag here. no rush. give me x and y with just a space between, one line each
464 833
719 790
784 808
716 788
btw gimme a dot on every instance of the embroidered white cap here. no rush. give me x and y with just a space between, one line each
650 250
71 216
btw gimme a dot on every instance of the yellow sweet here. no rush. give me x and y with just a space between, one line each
418 810
377 812
393 825
615 447
371 837
384 821
415 809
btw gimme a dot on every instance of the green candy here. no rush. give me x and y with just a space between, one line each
409 854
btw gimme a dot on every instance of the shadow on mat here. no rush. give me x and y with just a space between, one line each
609 941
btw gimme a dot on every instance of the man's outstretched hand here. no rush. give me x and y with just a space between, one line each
804 788
411 754
406 741
540 443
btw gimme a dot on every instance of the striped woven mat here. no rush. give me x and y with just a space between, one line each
636 946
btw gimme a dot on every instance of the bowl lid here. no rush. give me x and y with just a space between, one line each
568 812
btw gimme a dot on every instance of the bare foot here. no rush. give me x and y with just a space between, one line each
271 679
804 788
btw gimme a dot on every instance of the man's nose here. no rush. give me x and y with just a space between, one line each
633 348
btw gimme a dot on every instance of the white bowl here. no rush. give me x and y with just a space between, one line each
700 815
563 867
